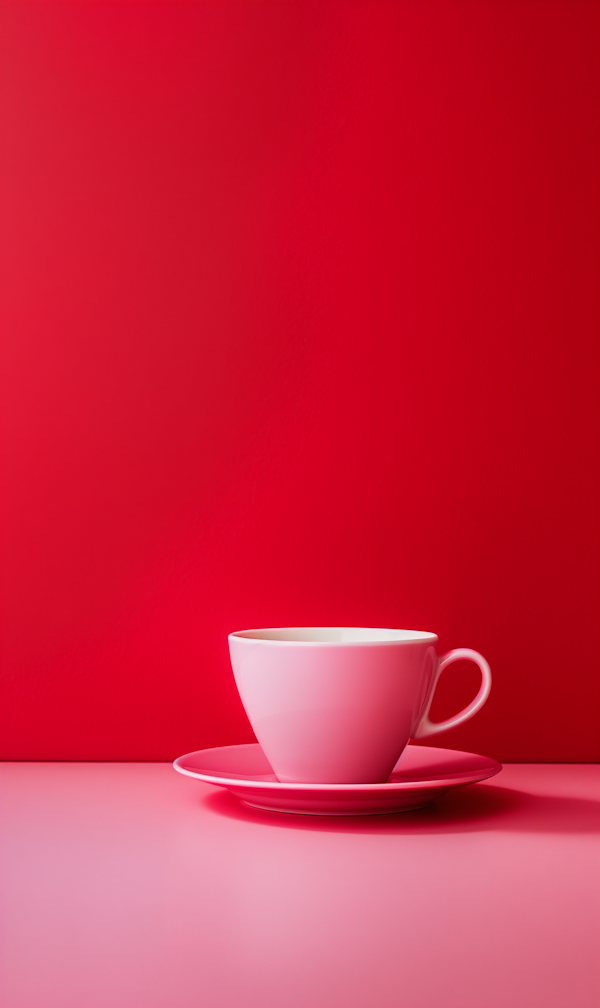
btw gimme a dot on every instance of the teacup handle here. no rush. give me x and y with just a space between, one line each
426 727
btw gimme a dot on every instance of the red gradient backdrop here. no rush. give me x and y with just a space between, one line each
300 327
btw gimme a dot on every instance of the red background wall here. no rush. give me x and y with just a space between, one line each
300 315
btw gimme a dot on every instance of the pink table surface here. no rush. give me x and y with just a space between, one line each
125 885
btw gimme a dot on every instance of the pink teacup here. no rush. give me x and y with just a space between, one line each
339 704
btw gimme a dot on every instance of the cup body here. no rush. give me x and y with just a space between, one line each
333 704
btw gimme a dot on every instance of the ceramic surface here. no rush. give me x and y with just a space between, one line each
421 775
339 704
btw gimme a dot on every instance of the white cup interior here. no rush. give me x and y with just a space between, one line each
334 635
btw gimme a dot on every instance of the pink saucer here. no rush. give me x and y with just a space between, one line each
421 775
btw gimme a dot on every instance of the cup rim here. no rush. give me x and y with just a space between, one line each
411 636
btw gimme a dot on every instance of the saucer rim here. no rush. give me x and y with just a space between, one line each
473 777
